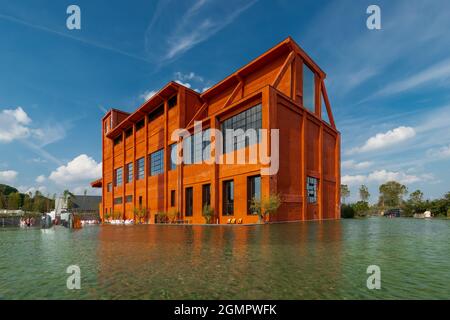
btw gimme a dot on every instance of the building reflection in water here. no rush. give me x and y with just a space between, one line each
247 262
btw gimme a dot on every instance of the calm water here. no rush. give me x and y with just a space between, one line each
308 260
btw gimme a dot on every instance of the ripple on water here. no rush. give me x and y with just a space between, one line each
308 260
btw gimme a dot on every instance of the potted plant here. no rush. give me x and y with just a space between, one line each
140 214
208 213
172 215
266 207
162 217
106 217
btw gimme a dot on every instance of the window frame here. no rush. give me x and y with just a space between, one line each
250 118
206 195
312 189
251 188
140 170
116 177
129 176
226 202
189 205
157 168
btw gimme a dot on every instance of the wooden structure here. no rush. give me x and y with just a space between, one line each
287 89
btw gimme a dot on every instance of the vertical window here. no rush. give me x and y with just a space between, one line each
118 175
173 156
253 191
140 201
228 198
172 102
129 172
249 123
311 188
156 162
206 195
140 124
129 132
309 86
140 174
109 187
118 140
189 202
159 111
172 198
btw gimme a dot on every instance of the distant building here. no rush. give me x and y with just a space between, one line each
85 204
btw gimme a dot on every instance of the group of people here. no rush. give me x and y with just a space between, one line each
26 222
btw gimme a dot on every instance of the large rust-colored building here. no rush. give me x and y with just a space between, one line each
282 89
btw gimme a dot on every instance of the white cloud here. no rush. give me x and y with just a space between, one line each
40 179
188 76
14 124
441 153
436 73
381 176
386 139
352 164
147 94
186 84
81 168
205 88
199 21
8 176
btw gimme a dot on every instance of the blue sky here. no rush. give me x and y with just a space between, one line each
389 88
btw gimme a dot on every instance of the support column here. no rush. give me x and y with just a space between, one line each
303 165
180 168
215 195
146 166
123 176
166 155
338 175
134 169
104 187
319 114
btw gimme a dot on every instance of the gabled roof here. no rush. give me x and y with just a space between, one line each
167 91
172 87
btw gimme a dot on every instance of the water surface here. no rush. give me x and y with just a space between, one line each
310 260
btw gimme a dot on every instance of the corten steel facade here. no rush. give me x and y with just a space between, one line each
283 89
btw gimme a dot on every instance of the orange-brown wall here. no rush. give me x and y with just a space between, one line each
308 147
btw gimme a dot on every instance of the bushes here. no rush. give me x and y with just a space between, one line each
208 213
347 211
361 208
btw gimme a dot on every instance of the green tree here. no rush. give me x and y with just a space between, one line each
416 197
27 203
347 211
266 206
364 193
208 213
13 201
67 195
391 194
3 203
361 208
345 192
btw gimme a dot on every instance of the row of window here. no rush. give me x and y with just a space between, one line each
128 199
198 145
253 193
156 167
159 111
